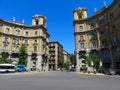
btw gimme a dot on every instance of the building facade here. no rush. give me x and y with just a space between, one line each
56 53
98 35
34 37
66 56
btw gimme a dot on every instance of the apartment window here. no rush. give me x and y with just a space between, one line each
35 48
36 32
26 41
113 27
37 22
16 48
26 33
35 40
7 30
81 37
17 32
80 16
5 47
111 16
81 27
101 21
102 32
94 45
92 35
82 45
92 25
6 38
17 40
25 47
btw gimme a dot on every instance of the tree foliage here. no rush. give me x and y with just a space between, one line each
22 55
72 59
66 65
88 60
5 59
96 61
92 58
60 62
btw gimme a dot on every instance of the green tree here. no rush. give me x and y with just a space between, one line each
73 59
66 65
22 55
95 60
60 62
88 60
4 58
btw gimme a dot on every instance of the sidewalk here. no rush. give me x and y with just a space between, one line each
89 73
23 73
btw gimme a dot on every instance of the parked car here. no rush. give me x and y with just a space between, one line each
21 68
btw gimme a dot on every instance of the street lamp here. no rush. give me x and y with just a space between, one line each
112 61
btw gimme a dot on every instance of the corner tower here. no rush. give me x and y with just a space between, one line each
80 13
39 20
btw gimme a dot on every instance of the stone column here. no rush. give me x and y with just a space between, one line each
47 64
39 62
77 61
29 63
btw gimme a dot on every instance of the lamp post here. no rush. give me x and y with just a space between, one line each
112 61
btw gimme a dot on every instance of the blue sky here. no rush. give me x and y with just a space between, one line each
58 13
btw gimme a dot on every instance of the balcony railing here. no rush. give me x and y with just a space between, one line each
6 42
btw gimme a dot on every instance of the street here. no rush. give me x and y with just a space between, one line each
59 81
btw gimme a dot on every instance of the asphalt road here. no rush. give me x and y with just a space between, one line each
59 81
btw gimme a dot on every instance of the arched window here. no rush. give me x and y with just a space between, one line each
80 16
36 22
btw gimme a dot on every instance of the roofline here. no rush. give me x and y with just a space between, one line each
56 42
97 14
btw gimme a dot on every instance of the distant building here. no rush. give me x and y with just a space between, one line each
98 35
34 37
56 53
66 56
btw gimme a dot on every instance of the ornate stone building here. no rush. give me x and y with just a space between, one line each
34 37
98 34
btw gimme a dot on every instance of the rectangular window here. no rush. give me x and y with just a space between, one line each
81 37
82 45
25 47
35 40
26 33
81 27
16 48
26 41
36 32
17 32
92 35
113 27
7 30
92 25
111 16
101 21
5 47
6 39
35 48
102 32
93 44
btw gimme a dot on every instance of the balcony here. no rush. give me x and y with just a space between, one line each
81 40
35 44
93 39
6 42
